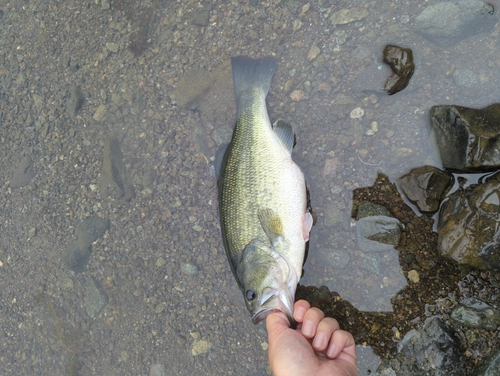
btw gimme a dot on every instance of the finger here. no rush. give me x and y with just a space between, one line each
299 309
324 332
276 322
342 345
312 317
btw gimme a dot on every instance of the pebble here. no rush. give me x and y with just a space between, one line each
296 95
357 113
413 276
345 16
314 51
100 113
160 262
113 47
189 269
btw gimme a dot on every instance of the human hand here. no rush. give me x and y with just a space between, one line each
316 347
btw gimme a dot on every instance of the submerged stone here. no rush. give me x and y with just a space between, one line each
23 173
115 182
432 350
78 253
467 138
376 229
450 22
426 187
485 317
401 62
469 225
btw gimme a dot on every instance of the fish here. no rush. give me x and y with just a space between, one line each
264 219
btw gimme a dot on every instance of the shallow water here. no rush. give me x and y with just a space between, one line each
161 264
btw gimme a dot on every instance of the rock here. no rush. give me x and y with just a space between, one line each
112 47
357 113
200 347
95 297
77 256
369 209
114 179
201 15
426 187
469 225
447 23
467 138
78 252
474 313
376 229
433 350
345 16
413 276
313 53
490 366
189 269
401 62
157 370
378 233
23 173
75 101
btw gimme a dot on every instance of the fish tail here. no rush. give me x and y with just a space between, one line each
251 74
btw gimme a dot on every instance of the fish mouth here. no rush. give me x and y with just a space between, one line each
275 303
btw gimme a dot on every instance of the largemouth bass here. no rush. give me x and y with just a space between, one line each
262 198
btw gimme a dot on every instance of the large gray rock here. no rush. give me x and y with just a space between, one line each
469 225
426 187
467 138
450 22
433 350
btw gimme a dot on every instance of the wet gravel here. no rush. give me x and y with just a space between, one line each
173 305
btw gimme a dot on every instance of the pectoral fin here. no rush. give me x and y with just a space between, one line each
307 223
284 131
271 224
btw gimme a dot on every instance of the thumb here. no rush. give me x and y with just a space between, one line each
276 323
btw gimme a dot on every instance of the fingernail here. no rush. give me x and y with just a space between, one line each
299 313
319 341
331 350
308 328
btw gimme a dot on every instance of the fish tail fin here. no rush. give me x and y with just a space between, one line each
251 73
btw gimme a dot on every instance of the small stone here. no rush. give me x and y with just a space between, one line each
100 113
264 346
160 262
296 95
113 47
357 113
157 370
413 276
200 347
95 297
297 24
345 16
314 51
105 4
189 269
32 232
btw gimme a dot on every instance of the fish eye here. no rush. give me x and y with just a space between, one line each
250 295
